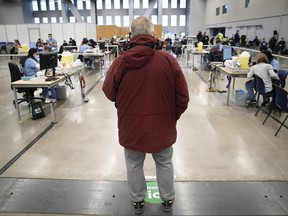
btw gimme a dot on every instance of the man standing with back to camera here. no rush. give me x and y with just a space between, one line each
150 92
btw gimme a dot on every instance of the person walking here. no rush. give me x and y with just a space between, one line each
150 93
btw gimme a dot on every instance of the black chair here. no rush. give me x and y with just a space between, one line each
259 88
282 74
27 93
281 102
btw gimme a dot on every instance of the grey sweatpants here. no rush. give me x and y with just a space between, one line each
164 174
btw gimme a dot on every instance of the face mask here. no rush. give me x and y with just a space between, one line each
49 37
36 57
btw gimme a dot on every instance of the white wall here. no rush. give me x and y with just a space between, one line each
259 19
196 16
26 33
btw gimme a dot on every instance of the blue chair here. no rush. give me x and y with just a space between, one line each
282 74
281 102
259 88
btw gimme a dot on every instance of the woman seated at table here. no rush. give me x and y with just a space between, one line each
265 71
30 67
84 48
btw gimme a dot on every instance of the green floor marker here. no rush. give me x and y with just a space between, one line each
152 194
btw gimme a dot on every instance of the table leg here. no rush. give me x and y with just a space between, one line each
229 91
52 108
16 103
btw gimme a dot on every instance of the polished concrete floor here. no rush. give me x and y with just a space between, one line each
215 143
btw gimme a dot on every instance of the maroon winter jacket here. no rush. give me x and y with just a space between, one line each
150 98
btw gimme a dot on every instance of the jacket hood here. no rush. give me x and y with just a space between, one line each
139 52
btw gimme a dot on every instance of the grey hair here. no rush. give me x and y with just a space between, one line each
141 25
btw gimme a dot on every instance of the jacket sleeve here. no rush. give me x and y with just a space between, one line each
182 94
250 73
112 80
272 73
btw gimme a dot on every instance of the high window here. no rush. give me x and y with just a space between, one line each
34 5
137 4
224 9
108 20
99 4
174 4
107 4
53 20
182 20
126 21
59 5
217 11
165 4
154 19
88 5
80 4
164 20
173 20
117 20
89 19
116 4
145 3
72 19
100 20
247 2
43 5
125 4
36 20
51 5
45 19
182 3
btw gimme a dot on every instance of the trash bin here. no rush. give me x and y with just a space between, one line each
61 92
240 97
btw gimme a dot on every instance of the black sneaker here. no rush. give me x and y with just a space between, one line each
138 207
167 205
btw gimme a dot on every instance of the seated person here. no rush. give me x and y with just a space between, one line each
177 47
263 44
216 51
281 45
272 61
61 49
31 66
83 48
16 46
52 43
265 71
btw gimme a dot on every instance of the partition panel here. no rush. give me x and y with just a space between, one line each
23 35
11 33
57 33
45 29
68 31
3 37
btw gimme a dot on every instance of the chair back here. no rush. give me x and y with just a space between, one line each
259 85
15 73
281 98
282 74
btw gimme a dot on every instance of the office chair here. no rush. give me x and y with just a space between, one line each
281 102
259 88
282 74
27 93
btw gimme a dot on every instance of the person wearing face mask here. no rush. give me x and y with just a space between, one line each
30 67
52 43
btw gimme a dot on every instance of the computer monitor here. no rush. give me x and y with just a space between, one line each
49 60
227 52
